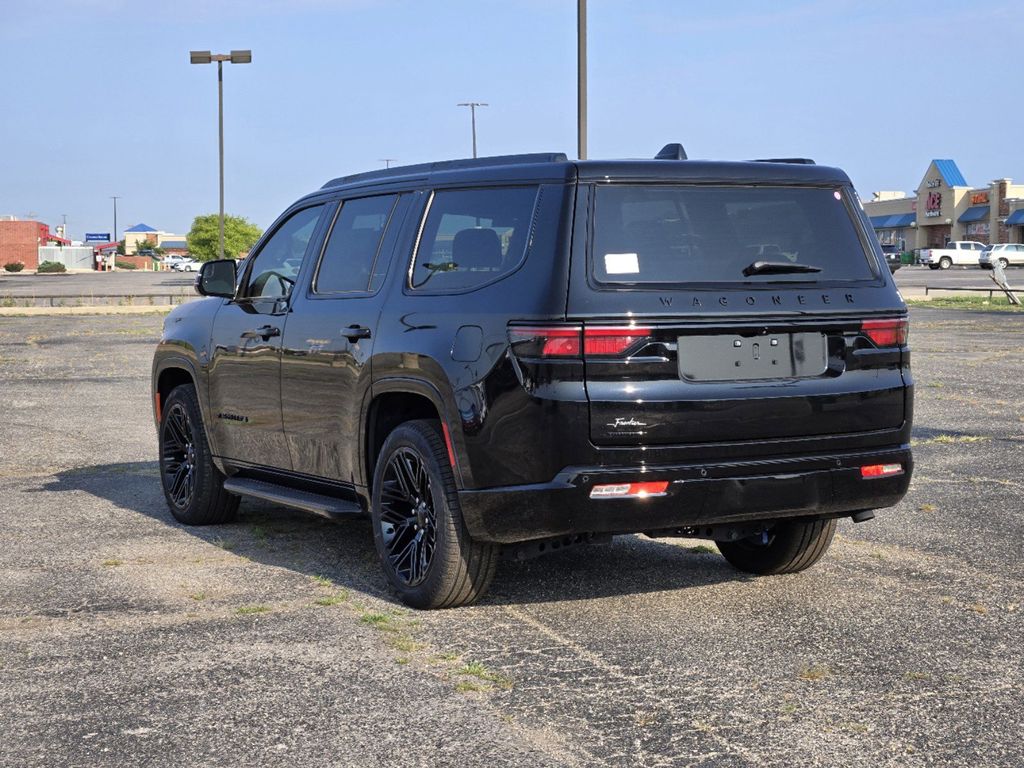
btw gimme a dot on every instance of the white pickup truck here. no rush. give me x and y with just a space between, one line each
960 252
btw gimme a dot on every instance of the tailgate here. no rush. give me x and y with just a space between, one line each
684 383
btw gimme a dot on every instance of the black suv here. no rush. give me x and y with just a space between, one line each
509 355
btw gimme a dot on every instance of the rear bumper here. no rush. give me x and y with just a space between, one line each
698 494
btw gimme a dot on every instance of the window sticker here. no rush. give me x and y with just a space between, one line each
621 264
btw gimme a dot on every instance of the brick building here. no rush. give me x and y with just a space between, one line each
20 241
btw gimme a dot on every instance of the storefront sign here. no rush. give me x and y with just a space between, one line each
978 228
933 183
933 206
97 237
979 198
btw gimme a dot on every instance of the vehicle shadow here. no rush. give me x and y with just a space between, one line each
343 551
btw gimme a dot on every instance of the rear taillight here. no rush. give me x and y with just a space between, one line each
565 341
886 333
880 470
629 490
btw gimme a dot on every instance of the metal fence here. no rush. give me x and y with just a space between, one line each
72 257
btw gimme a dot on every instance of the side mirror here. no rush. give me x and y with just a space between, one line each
217 278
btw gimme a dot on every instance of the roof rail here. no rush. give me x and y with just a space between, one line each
448 165
795 160
671 152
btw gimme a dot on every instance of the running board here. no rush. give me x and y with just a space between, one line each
318 504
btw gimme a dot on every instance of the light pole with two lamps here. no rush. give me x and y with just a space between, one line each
235 57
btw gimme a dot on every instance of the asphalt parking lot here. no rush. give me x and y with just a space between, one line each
127 639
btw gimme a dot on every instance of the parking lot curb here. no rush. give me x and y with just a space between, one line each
148 309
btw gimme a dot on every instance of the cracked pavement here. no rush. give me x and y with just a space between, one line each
128 639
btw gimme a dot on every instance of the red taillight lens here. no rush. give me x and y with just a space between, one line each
881 470
629 490
553 341
886 333
611 341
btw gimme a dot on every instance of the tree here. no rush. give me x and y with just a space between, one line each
240 235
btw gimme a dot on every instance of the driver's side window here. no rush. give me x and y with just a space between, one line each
276 265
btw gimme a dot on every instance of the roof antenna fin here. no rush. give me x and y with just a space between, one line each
671 152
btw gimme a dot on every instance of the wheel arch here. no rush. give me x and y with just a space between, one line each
394 401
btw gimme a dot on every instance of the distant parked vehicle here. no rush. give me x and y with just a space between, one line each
1005 254
171 262
186 265
963 253
893 256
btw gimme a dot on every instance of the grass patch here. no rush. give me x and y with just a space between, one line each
913 676
341 596
404 643
927 508
323 581
702 549
381 621
249 610
198 596
112 563
998 302
978 608
487 678
813 672
224 544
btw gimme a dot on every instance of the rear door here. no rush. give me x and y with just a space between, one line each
730 314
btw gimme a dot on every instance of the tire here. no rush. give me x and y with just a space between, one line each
1004 263
792 546
424 547
933 266
945 262
193 486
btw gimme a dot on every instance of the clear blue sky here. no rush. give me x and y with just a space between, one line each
99 98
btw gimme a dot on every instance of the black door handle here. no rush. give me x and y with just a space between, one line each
264 332
356 332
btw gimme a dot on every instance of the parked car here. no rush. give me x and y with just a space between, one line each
893 255
1005 254
170 261
962 253
187 265
518 354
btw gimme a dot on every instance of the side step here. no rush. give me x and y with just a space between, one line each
318 504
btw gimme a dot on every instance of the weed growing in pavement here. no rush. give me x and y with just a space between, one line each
112 563
381 621
323 581
480 672
248 610
978 608
223 544
927 508
702 549
337 598
912 676
198 596
813 672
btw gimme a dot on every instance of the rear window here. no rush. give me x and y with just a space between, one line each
704 234
473 236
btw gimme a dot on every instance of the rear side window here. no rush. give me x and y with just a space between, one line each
352 245
473 236
704 234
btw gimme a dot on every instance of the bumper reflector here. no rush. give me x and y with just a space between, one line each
881 470
629 490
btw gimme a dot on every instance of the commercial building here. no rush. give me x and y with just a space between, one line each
945 207
136 237
21 239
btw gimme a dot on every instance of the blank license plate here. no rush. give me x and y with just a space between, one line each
738 358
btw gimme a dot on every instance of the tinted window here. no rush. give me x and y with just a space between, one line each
472 236
277 263
352 245
691 234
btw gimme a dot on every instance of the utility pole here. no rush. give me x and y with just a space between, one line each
581 79
472 110
115 198
387 161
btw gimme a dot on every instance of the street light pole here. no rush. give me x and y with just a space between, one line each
472 110
581 78
387 161
235 57
115 198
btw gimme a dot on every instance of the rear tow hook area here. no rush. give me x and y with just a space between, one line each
528 550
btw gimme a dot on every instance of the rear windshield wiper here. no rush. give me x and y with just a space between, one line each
777 268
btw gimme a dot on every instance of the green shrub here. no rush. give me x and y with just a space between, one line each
51 266
14 266
124 265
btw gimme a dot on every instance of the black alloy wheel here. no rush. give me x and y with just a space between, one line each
192 484
425 550
408 521
178 456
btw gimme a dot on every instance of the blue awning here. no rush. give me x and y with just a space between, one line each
974 213
1017 217
894 221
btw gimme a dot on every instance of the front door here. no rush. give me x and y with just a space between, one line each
325 369
245 357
